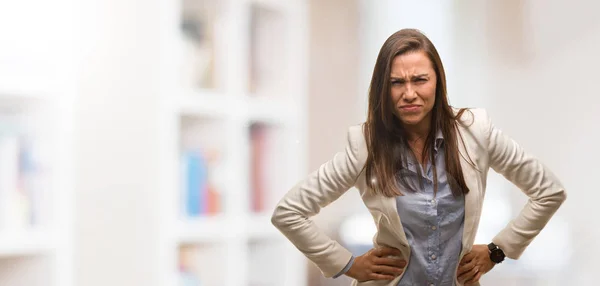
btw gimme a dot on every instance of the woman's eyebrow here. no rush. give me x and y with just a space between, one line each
412 76
421 75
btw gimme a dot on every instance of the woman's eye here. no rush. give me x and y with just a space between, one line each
421 80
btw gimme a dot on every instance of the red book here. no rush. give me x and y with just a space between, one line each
258 146
213 200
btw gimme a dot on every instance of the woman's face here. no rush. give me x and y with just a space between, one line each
413 83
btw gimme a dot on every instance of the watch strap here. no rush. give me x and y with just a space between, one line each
494 252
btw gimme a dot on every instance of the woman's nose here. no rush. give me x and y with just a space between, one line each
410 94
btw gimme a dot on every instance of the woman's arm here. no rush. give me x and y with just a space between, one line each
545 191
323 186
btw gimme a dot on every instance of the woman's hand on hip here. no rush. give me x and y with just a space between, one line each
474 264
382 263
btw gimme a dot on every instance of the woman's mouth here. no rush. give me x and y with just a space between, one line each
410 108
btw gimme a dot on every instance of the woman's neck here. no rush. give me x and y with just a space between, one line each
418 133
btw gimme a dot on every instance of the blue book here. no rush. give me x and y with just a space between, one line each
195 183
187 279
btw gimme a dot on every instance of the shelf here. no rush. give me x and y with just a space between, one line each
217 229
261 269
12 100
207 229
259 227
26 243
277 5
202 264
25 91
270 111
205 103
209 104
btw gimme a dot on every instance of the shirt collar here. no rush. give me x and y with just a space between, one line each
439 140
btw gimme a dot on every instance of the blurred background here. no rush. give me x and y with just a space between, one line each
147 142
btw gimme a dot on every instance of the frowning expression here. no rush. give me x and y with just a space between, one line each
413 85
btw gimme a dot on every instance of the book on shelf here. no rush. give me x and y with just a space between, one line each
267 51
197 27
202 264
187 278
258 177
200 195
23 196
267 166
187 275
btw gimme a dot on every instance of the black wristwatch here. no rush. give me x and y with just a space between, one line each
496 254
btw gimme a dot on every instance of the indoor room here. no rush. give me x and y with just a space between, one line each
151 142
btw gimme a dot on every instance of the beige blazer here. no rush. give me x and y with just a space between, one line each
487 147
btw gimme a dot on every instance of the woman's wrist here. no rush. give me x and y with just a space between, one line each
352 270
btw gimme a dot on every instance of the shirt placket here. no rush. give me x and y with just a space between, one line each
433 228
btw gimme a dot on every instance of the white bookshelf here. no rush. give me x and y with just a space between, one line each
35 194
27 243
237 244
35 143
36 231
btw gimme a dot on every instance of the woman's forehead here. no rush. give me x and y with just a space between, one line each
411 64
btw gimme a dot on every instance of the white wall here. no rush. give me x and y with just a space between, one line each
332 105
333 82
116 140
380 20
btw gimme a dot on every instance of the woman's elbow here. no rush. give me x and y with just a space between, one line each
276 217
556 199
281 216
286 217
562 196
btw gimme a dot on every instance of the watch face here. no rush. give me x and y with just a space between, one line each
497 255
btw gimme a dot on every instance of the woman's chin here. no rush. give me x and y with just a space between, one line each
410 120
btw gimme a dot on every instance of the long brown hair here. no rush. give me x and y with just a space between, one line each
385 136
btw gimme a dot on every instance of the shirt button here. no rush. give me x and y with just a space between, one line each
433 257
434 227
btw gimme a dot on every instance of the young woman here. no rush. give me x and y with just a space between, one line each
420 167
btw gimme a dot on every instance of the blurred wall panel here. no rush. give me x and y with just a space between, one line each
117 143
334 51
537 76
380 19
549 104
333 101
334 66
508 31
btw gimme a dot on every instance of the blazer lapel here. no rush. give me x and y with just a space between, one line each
391 211
471 176
471 205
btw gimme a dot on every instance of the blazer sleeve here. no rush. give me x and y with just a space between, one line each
545 191
323 186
